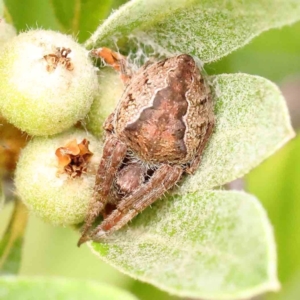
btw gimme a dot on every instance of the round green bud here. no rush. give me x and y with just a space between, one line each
7 32
108 96
48 82
47 189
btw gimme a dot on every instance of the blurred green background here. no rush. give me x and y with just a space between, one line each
52 251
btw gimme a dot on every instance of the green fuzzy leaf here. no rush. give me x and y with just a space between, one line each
212 245
31 14
207 29
281 46
252 122
15 288
12 241
82 17
276 182
67 13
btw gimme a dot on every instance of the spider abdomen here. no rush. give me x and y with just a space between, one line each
164 111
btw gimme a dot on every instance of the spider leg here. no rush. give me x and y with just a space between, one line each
114 152
197 160
108 124
164 178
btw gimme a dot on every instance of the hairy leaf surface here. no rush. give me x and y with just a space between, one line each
207 29
15 288
212 245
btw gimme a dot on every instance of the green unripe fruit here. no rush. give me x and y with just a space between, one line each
48 82
49 192
105 102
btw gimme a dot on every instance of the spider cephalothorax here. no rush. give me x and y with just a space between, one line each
156 133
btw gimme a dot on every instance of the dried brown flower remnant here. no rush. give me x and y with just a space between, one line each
59 57
115 60
73 158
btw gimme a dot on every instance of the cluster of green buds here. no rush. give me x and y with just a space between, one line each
48 84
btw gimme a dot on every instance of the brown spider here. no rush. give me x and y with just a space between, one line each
156 133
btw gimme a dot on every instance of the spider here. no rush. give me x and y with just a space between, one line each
155 135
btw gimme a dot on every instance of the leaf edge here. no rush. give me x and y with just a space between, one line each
272 285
